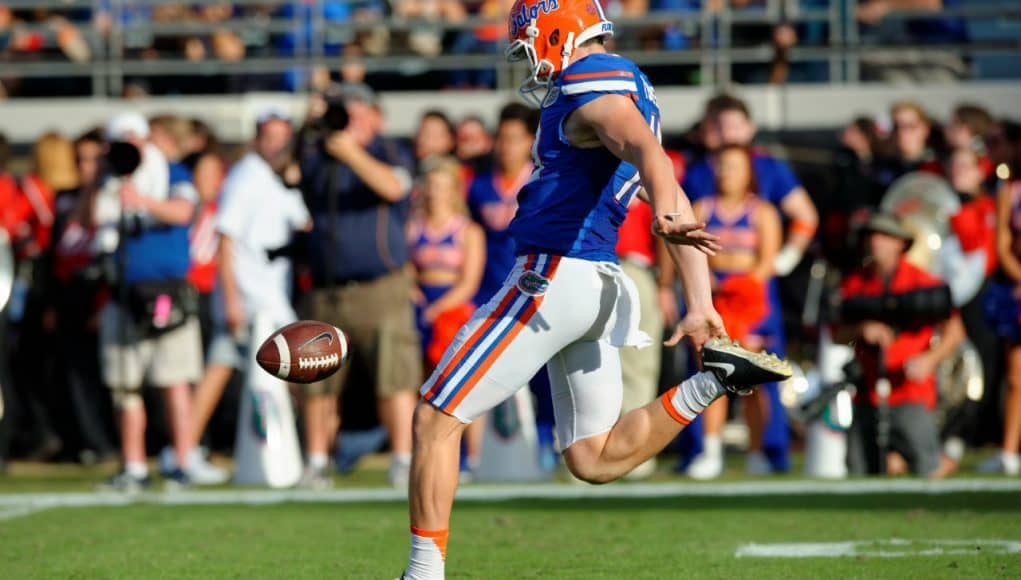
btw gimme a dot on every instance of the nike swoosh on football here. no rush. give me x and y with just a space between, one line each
328 336
727 367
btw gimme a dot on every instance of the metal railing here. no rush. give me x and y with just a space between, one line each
114 59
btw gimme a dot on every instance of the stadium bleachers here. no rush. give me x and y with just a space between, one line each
113 47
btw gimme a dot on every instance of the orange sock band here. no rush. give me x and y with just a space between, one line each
439 537
668 404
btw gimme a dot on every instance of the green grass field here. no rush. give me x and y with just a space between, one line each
581 538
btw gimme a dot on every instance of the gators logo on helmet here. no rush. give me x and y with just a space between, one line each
546 32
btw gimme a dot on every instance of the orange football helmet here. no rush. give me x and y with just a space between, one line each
546 32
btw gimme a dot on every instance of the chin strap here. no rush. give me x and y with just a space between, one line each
566 51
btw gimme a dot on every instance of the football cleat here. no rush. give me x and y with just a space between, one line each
740 370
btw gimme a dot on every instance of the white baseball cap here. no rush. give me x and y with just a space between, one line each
124 124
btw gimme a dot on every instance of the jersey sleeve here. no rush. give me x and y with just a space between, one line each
598 75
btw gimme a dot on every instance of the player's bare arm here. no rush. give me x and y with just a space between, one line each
581 130
619 126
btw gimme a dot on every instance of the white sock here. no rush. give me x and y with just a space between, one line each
428 555
400 459
685 401
138 470
317 460
712 445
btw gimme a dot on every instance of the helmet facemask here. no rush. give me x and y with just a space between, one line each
542 69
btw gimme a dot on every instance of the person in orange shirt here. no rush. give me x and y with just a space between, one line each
28 219
975 227
900 352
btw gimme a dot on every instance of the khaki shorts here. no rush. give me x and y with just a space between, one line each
169 359
379 321
640 366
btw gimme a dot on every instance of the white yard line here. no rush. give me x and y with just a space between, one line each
891 548
38 501
11 512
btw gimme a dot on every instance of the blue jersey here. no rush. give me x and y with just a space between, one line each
774 178
493 205
160 251
577 198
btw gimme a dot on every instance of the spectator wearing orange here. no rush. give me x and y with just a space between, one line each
898 347
448 253
29 221
974 226
29 216
750 232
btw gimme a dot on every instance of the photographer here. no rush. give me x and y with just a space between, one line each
357 185
892 311
148 332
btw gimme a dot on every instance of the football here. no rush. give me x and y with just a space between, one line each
303 352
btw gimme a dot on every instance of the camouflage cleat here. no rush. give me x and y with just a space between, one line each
739 370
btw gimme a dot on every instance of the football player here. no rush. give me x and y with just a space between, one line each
566 304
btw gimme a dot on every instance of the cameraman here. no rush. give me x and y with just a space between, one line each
357 186
149 332
898 344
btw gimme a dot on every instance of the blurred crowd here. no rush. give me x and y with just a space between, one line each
216 34
146 254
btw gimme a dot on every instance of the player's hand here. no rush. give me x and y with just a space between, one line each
698 327
673 231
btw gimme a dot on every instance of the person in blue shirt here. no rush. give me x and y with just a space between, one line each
567 305
357 186
728 122
149 332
